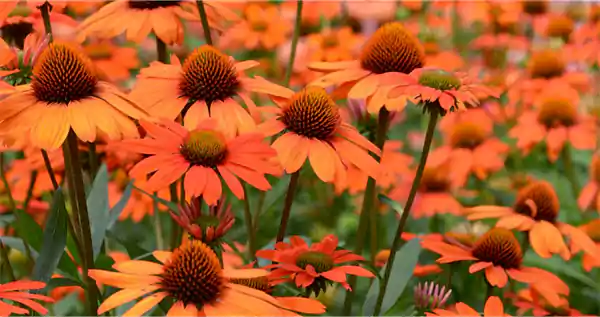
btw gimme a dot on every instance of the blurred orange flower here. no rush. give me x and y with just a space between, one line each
112 61
493 308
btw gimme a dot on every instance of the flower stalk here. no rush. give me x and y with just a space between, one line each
204 21
407 208
295 37
249 226
570 170
287 207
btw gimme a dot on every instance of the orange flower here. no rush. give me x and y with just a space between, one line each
17 64
208 228
548 66
313 11
499 254
333 45
435 193
536 211
589 198
25 20
369 78
528 301
592 229
112 61
201 155
314 130
446 60
420 270
264 28
17 292
6 7
66 94
493 308
204 86
311 267
139 205
556 120
471 146
192 277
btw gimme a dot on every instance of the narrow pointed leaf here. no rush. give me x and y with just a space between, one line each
98 208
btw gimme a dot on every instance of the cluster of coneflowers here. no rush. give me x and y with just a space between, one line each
197 131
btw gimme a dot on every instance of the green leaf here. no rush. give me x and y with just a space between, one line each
55 239
276 193
17 244
116 210
392 203
97 203
168 204
61 282
404 265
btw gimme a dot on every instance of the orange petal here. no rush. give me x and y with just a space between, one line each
138 267
547 240
493 307
496 276
145 305
124 296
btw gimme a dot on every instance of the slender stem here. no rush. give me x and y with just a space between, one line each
407 208
174 226
204 21
32 180
489 291
49 169
11 201
75 172
287 207
45 9
249 226
160 241
295 37
93 160
6 262
161 51
570 169
368 213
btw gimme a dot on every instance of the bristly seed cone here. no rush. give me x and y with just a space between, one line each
151 5
312 113
560 26
63 74
208 75
542 194
204 148
467 135
557 111
392 48
193 275
546 64
500 247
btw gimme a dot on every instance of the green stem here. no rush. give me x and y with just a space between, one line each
249 226
71 154
161 51
6 262
32 180
368 214
287 207
93 160
489 291
204 21
174 226
11 201
49 169
295 37
570 169
45 11
407 208
160 241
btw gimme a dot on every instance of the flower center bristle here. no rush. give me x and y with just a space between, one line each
592 229
467 135
204 148
544 197
62 74
193 275
312 113
259 283
535 7
500 247
99 51
439 80
151 5
208 75
434 180
560 26
320 261
392 48
546 64
557 111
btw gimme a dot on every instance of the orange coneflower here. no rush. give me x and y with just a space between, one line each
333 45
314 130
369 78
589 198
529 301
112 61
493 308
204 86
17 292
208 228
313 266
24 20
435 193
65 94
192 277
263 28
536 211
201 154
499 254
555 119
592 229
471 146
546 66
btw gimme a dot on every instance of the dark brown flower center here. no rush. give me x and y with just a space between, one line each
312 113
15 33
62 74
208 75
535 7
467 135
392 49
560 26
538 200
151 5
204 148
546 64
321 262
193 275
557 111
434 180
500 247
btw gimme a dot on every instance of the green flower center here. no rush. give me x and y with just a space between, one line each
204 148
320 261
439 80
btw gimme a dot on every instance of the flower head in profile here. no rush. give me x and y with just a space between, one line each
314 130
536 211
493 308
207 227
209 84
592 229
18 293
66 94
528 301
499 254
430 296
313 267
204 156
193 279
391 51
